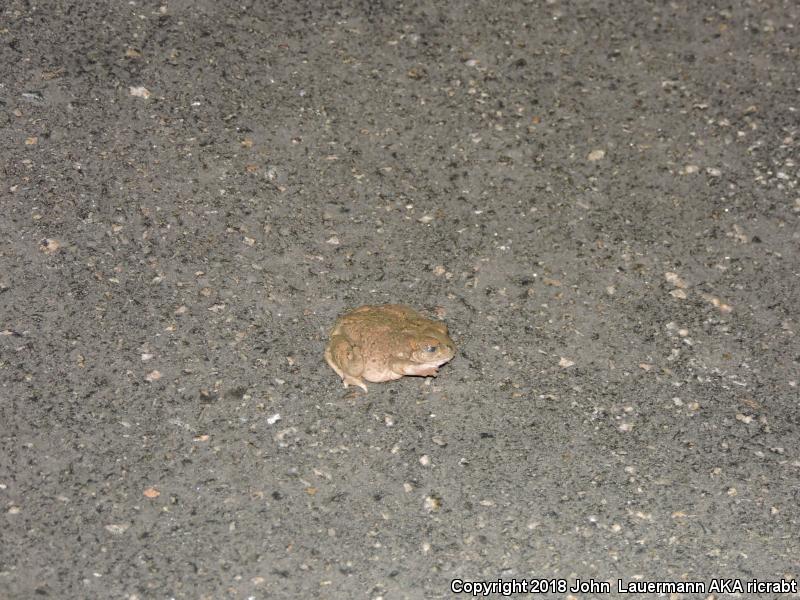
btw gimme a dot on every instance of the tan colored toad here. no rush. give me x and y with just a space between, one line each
382 343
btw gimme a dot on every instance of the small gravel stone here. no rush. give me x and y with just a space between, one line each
50 246
596 155
139 92
432 503
117 528
680 294
675 279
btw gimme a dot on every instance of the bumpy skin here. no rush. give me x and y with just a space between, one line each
382 343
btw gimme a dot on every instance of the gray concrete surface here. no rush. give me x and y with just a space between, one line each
600 199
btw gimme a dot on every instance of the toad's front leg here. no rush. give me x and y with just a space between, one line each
408 367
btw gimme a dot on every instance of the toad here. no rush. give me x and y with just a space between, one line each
383 343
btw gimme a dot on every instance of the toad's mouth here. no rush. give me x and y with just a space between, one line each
441 360
431 362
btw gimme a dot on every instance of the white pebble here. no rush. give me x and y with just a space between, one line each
139 91
674 279
432 503
596 155
117 528
680 294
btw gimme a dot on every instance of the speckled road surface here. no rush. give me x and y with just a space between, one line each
600 199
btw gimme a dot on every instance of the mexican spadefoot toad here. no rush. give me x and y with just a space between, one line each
382 343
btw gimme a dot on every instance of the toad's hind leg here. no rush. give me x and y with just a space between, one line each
346 360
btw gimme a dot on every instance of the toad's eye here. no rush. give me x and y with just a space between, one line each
431 349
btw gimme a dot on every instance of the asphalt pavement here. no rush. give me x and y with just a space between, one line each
600 199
